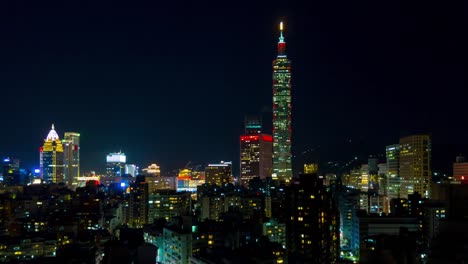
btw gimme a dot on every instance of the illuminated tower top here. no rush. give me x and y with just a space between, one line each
281 43
52 136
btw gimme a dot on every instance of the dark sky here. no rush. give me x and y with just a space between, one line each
171 81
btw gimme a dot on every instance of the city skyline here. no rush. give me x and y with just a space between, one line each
182 132
364 91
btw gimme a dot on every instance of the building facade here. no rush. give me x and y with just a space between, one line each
11 172
393 171
115 164
219 174
460 170
71 156
313 226
282 167
415 165
255 157
51 158
167 204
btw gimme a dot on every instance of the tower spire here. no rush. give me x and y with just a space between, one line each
281 43
281 38
53 127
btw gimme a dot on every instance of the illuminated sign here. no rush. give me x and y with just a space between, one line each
266 138
253 138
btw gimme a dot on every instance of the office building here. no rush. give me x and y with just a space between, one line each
460 170
393 171
219 174
115 164
255 157
415 165
11 172
51 158
71 157
253 125
282 168
138 203
131 169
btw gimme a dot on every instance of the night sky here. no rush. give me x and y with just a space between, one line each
169 82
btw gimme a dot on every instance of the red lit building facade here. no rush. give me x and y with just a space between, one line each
255 157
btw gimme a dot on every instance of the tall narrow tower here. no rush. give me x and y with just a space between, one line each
282 169
71 160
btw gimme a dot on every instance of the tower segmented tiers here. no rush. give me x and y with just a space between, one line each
282 169
51 158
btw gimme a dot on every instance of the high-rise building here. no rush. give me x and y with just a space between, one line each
167 204
348 206
255 157
11 172
71 156
253 125
219 174
131 169
115 164
51 158
138 203
393 171
415 165
282 168
313 226
460 170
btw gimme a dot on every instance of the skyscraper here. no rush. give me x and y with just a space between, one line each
51 158
255 157
253 125
415 165
115 164
255 152
219 174
71 159
131 169
282 169
11 172
393 171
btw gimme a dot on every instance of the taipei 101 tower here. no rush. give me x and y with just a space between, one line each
282 169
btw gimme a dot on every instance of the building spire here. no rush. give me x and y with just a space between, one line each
52 134
281 43
281 38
